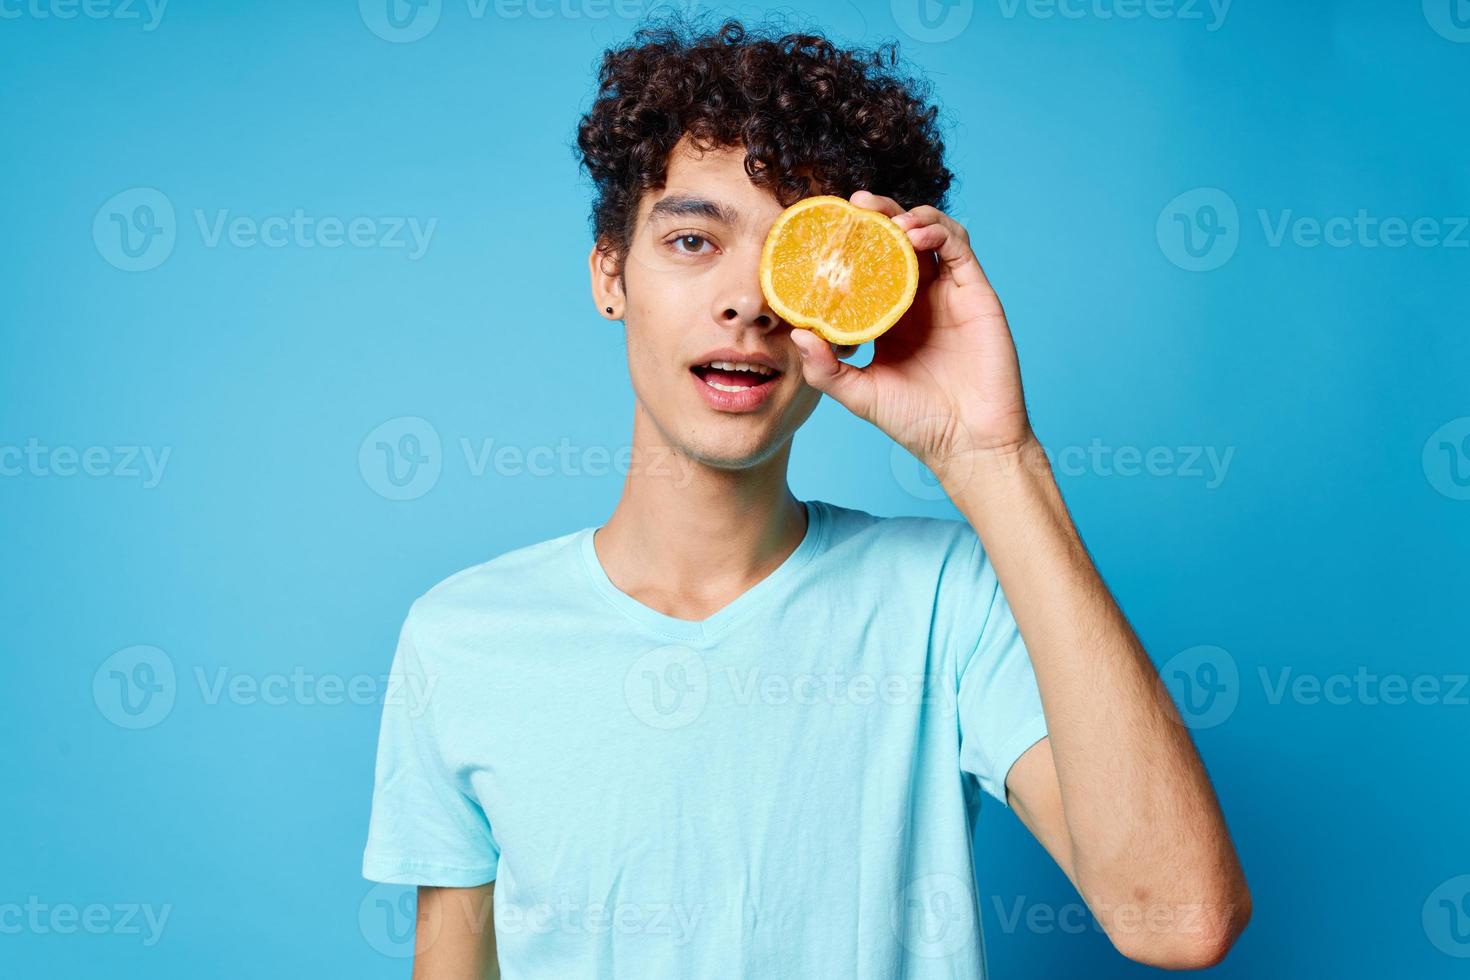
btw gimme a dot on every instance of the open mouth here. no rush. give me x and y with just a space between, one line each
735 376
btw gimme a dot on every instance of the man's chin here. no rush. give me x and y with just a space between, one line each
725 451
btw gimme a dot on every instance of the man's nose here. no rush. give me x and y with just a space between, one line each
742 304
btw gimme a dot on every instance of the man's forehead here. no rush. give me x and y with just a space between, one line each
712 185
728 162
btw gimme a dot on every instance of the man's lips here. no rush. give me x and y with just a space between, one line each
729 389
732 358
727 379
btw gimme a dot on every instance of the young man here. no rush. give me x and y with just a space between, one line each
730 733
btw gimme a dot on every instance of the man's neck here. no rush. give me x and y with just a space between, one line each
687 538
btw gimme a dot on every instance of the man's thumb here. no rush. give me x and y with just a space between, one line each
824 371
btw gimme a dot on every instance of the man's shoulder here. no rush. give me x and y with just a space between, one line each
512 580
904 534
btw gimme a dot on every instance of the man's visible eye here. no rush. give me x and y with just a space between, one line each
688 244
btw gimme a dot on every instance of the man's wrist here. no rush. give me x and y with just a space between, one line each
980 480
963 471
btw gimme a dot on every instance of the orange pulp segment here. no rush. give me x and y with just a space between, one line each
844 272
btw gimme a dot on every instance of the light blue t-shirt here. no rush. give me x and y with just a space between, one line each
786 789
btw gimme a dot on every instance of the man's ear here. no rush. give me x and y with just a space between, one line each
607 283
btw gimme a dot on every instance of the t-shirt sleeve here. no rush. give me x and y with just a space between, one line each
998 704
426 827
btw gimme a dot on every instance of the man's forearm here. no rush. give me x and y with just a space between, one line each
1145 827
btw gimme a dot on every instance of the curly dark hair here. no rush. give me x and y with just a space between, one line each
851 118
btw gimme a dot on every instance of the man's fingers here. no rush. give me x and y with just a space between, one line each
875 202
851 386
932 230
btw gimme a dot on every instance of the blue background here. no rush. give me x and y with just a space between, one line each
1335 376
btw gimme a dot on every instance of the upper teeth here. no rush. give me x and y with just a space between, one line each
740 366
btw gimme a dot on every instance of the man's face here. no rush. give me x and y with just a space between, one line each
692 290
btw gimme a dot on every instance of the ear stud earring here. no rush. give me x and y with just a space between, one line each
608 308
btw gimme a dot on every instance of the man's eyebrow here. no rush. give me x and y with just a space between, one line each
689 206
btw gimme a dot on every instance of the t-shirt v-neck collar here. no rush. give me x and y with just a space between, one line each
687 629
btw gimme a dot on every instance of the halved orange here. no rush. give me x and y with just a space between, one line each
843 272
